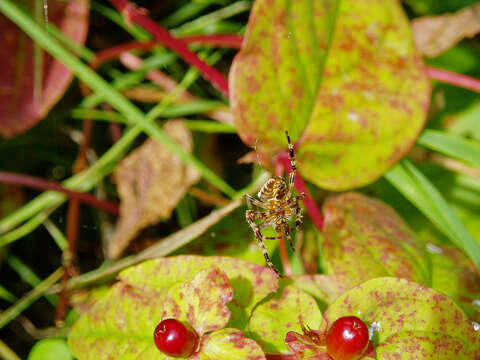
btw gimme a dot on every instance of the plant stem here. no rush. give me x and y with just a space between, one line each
452 78
41 184
136 15
6 353
312 209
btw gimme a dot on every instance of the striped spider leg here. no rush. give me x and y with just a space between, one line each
277 207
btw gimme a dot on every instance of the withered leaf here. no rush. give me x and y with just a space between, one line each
436 34
151 181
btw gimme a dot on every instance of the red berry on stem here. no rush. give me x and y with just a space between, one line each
347 339
175 338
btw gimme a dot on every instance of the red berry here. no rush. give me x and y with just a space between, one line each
175 338
347 339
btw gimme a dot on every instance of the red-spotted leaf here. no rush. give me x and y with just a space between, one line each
409 320
120 324
365 238
228 344
250 282
31 84
454 274
272 319
342 76
201 302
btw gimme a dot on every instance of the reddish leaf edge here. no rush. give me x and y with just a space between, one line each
280 357
42 184
137 15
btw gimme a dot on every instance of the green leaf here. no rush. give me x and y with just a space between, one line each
423 194
451 145
455 275
402 313
271 320
120 325
250 282
201 302
365 238
228 344
324 288
342 76
50 349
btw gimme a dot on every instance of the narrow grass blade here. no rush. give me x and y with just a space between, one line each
407 179
15 310
452 145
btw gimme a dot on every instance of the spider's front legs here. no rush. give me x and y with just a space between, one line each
251 215
298 212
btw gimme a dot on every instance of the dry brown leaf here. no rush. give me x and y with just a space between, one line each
151 181
436 34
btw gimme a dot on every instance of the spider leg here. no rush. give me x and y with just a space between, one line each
298 212
252 215
288 235
251 200
293 164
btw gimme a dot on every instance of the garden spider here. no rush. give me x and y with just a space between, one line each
279 205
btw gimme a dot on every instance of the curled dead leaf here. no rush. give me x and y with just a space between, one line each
436 34
151 181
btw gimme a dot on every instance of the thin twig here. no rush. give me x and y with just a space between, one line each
134 14
453 78
208 198
41 184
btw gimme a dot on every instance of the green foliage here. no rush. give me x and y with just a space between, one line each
340 90
50 349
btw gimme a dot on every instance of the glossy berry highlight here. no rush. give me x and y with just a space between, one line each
175 338
347 339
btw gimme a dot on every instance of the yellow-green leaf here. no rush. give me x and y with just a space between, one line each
343 77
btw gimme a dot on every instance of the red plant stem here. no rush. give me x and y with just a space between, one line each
137 15
453 78
312 209
41 184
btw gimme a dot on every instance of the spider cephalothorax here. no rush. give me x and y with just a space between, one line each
278 205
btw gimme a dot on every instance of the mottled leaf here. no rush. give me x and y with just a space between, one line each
454 274
228 344
201 302
29 87
250 282
120 325
409 320
342 76
151 181
272 319
435 34
364 238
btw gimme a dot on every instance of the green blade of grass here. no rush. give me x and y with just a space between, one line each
452 145
16 309
407 179
27 275
7 295
99 85
6 353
